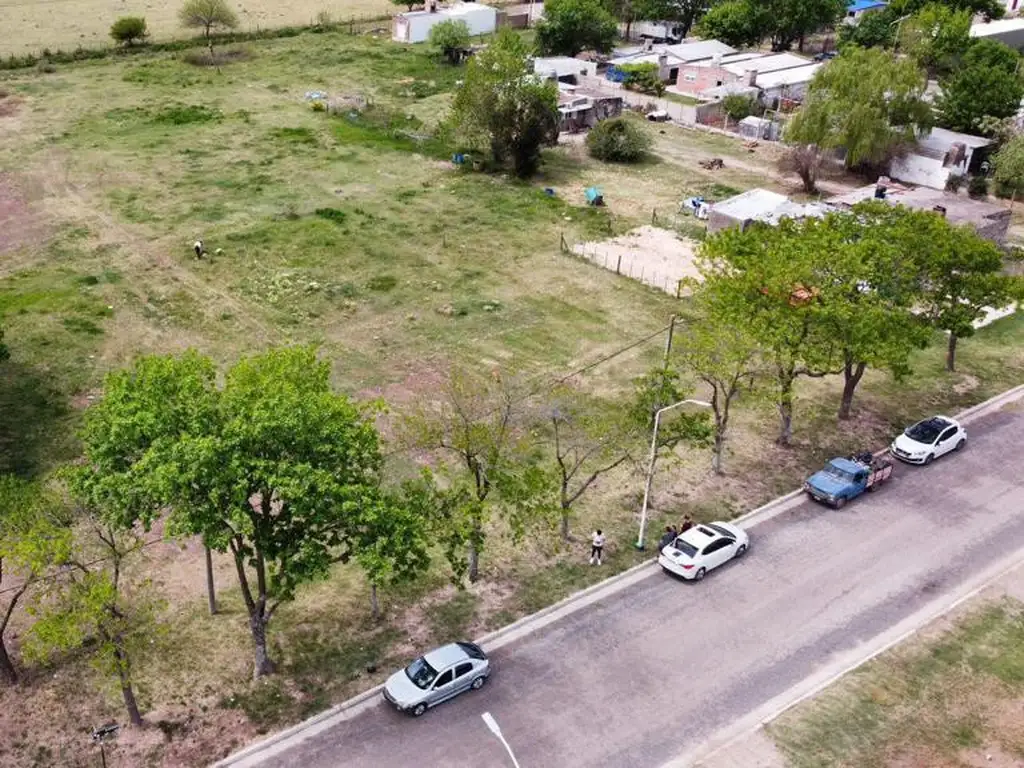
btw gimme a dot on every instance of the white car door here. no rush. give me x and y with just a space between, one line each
717 552
946 441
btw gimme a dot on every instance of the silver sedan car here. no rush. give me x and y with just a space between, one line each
438 676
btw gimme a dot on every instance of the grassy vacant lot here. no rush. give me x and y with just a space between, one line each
356 233
949 699
67 24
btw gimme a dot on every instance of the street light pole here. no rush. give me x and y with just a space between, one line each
650 464
492 725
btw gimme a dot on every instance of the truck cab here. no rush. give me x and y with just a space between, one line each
843 479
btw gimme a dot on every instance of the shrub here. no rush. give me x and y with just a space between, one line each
618 140
738 106
977 186
644 78
450 38
128 30
954 182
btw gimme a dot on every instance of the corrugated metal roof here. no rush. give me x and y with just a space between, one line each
864 5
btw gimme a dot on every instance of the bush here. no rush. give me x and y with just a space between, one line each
738 106
644 78
977 186
954 182
450 38
128 30
618 140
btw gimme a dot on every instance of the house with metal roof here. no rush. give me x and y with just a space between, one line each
856 9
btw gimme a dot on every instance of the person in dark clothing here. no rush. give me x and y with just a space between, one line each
667 537
687 524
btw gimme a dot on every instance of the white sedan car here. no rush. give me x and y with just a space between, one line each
927 440
702 548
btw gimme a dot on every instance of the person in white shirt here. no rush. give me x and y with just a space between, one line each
596 545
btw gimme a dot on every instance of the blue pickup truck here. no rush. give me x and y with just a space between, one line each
843 479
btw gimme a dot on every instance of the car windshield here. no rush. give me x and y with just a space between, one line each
838 473
925 431
685 547
421 673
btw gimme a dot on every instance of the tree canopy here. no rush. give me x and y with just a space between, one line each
450 38
936 37
502 108
129 30
866 101
571 26
207 15
1008 166
986 87
784 22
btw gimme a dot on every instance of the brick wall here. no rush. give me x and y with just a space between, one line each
695 80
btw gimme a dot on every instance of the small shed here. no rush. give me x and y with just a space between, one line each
415 26
759 128
564 69
760 205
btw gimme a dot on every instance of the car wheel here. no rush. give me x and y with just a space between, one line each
477 684
741 550
419 710
929 459
961 444
840 502
699 575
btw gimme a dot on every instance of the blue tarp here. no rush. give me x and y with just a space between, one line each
864 5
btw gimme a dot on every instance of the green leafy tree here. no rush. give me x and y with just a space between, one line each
982 88
659 388
1008 167
771 281
746 22
571 26
407 4
587 444
740 23
866 101
450 38
990 53
644 78
728 361
990 9
501 107
207 15
873 30
129 30
95 606
738 106
618 140
34 536
936 36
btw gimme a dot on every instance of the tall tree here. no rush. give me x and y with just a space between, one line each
989 9
450 38
572 26
501 108
1008 167
986 86
784 22
34 536
739 23
866 101
728 361
773 282
873 30
587 444
207 15
94 605
936 37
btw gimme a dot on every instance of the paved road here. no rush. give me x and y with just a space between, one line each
657 668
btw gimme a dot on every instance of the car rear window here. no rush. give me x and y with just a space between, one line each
685 547
473 650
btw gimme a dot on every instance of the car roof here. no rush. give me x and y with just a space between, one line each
941 422
699 535
846 465
445 656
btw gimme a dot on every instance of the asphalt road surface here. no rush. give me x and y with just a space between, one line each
655 669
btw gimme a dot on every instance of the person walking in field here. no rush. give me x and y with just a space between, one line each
596 546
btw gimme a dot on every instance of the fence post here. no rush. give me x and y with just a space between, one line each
561 242
618 265
654 217
679 287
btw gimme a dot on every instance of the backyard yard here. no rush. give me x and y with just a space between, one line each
355 232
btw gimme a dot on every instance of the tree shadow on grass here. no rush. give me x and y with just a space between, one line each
34 421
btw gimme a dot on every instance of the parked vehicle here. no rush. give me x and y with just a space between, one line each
702 548
438 676
844 479
927 440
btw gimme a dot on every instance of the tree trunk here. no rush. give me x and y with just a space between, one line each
716 452
374 603
210 592
124 673
785 410
262 664
852 373
951 353
7 670
565 523
474 563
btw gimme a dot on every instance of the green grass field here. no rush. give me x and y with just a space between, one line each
355 232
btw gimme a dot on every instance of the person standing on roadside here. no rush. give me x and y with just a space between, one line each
596 546
687 524
667 537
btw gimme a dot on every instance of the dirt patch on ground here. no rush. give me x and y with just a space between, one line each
20 225
656 257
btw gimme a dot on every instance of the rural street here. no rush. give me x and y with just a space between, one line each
644 675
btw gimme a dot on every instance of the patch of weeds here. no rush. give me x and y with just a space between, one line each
450 620
331 214
186 114
966 735
378 128
301 135
266 704
77 324
382 283
542 588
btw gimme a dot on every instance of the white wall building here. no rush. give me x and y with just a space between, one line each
415 26
937 156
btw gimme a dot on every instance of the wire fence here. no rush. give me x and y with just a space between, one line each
621 264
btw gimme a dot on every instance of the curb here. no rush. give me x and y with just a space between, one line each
528 624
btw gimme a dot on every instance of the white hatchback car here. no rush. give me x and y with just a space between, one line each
927 440
702 548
